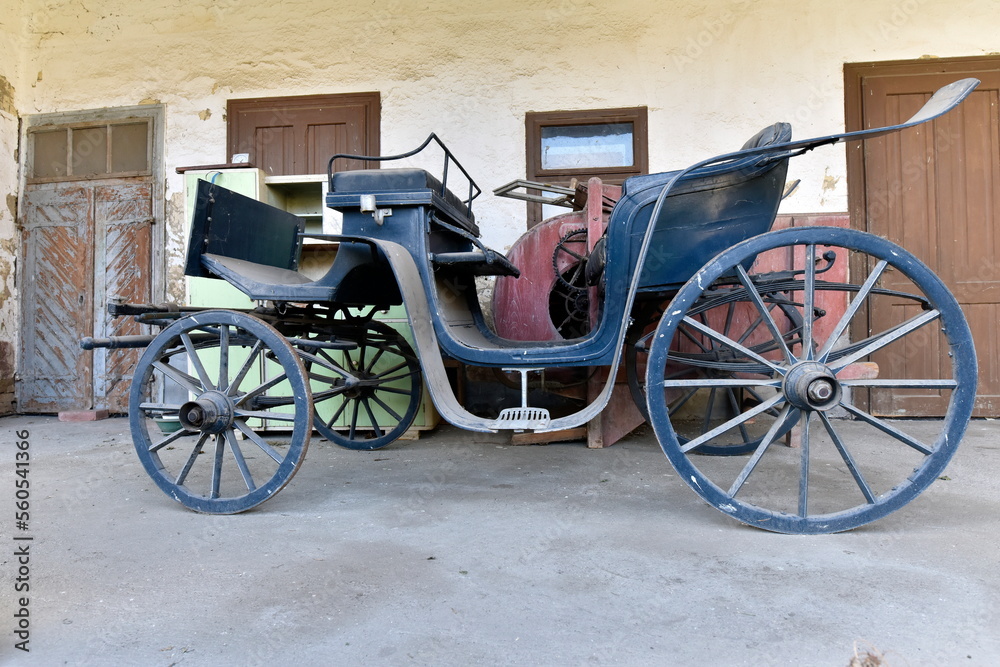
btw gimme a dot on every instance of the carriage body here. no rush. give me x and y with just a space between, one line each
691 237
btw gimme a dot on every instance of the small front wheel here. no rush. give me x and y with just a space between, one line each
220 411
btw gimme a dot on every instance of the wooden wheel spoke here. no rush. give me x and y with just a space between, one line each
223 356
687 334
852 310
261 388
732 344
326 394
888 338
180 377
265 414
196 361
738 419
709 409
400 366
332 366
354 420
338 413
371 416
160 444
241 463
804 466
888 429
732 383
257 440
382 404
809 299
374 360
735 405
765 312
682 402
195 451
165 408
759 453
245 368
848 459
220 450
889 383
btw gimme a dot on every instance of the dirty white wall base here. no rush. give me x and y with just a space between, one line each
12 54
711 74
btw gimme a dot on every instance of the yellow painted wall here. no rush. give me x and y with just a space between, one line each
12 49
712 72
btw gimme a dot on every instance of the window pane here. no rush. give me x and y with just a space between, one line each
129 148
90 151
50 154
587 146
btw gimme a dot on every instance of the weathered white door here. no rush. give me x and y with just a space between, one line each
84 244
88 218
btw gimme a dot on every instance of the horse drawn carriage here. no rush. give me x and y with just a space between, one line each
732 336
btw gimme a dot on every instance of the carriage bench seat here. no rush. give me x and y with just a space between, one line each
487 262
412 187
400 187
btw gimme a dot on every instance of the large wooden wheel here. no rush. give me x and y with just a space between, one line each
833 481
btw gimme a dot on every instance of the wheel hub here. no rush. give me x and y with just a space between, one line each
212 412
812 386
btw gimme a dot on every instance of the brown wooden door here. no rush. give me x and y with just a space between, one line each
84 243
935 190
299 134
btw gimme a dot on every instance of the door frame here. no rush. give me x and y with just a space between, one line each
854 75
155 113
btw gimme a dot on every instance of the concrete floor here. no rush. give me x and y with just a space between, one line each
459 549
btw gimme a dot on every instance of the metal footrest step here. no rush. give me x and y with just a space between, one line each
521 419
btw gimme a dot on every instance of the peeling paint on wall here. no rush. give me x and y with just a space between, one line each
7 255
7 96
176 250
829 181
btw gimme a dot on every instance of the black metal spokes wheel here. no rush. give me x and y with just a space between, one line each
569 300
894 343
367 395
699 409
220 411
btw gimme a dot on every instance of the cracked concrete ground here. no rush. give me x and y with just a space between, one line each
459 549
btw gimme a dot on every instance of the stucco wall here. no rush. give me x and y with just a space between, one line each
12 53
711 72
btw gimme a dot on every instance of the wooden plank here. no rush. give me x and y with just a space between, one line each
935 190
570 434
58 301
123 216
